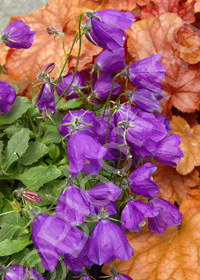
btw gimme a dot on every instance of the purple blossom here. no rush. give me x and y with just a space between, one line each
18 35
115 58
80 120
74 205
147 73
7 97
103 84
46 99
53 236
167 150
169 215
141 183
108 242
106 28
85 154
115 275
16 272
134 213
104 195
75 88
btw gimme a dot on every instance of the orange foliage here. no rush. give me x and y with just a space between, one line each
158 35
174 255
190 144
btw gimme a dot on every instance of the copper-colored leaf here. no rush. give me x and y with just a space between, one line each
174 255
190 144
57 14
173 186
158 35
192 201
183 9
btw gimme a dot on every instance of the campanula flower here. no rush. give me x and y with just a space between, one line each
18 35
116 275
7 97
16 272
169 215
46 99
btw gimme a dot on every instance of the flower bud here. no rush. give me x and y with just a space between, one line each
28 195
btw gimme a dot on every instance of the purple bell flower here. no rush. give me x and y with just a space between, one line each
7 97
108 242
46 99
16 272
53 236
134 213
106 28
115 58
104 195
115 275
80 120
141 182
169 215
85 154
103 84
147 73
167 150
73 91
18 35
74 205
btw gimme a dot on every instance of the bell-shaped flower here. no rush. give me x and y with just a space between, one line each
16 272
78 120
169 215
141 183
108 242
147 73
18 35
104 195
116 275
167 150
106 28
46 99
7 97
103 85
74 205
75 88
115 59
53 236
85 154
134 213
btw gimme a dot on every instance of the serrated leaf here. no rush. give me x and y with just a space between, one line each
37 176
17 145
11 130
34 152
8 247
20 106
51 135
71 104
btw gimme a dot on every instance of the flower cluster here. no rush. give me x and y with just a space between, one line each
115 135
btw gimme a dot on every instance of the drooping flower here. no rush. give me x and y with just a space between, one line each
108 242
74 89
53 236
46 99
115 59
85 154
169 215
106 28
18 35
116 275
16 272
141 183
7 97
74 205
134 213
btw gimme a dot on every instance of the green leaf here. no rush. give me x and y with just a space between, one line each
71 104
11 130
9 247
17 145
37 176
1 149
34 152
19 107
51 135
